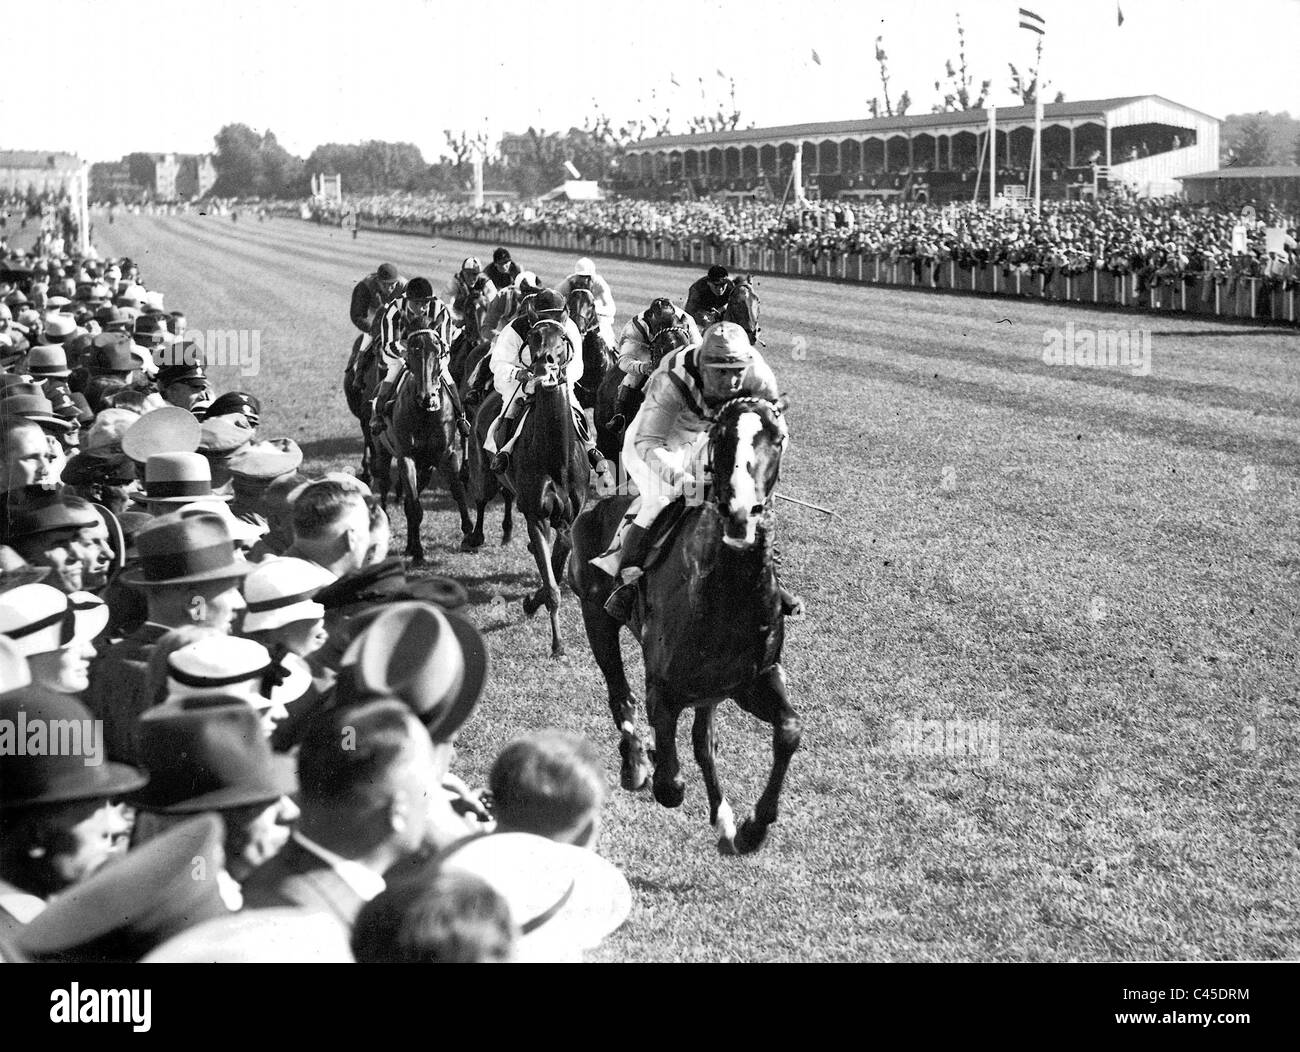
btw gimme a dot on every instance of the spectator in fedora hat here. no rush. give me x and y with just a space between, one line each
190 575
208 753
57 825
174 479
137 902
52 535
55 632
369 777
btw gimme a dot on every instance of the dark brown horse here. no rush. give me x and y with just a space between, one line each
597 357
471 333
422 436
741 307
710 622
610 441
359 396
548 474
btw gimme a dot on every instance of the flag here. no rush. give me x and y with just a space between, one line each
1120 12
1034 23
816 57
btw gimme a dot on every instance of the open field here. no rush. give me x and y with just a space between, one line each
1103 568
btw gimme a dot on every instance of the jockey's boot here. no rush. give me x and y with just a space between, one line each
622 601
379 408
618 421
501 462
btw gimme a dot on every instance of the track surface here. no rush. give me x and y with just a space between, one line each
1099 566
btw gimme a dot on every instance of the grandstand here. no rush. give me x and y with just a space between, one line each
1144 142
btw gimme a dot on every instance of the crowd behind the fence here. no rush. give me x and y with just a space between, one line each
209 658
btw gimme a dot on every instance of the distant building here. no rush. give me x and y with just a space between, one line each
1276 184
171 176
21 170
515 149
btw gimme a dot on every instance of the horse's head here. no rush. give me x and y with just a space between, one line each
745 446
667 341
742 307
551 350
581 307
424 351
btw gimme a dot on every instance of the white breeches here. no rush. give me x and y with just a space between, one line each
655 492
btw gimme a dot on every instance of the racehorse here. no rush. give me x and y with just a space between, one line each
421 435
548 474
359 397
597 356
741 307
609 441
471 333
710 622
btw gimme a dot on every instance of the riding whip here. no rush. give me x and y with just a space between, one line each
805 504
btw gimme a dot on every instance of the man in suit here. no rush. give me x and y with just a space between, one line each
190 576
370 779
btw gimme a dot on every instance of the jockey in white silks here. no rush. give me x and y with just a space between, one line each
584 275
510 363
463 289
665 450
634 356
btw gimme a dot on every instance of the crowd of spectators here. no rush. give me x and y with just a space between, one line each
209 656
1162 240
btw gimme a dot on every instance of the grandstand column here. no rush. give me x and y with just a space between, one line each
1072 123
911 161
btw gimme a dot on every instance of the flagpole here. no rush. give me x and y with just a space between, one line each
993 153
1038 132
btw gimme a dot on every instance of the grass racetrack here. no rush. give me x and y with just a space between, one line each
1097 570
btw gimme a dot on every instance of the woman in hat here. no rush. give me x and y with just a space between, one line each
55 632
51 535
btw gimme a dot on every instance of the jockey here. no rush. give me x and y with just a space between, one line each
511 376
634 350
502 271
369 298
464 286
510 302
584 276
417 308
709 293
665 449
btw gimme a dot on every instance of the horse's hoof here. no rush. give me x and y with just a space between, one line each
417 558
750 837
670 793
472 542
557 651
530 607
635 770
506 538
727 847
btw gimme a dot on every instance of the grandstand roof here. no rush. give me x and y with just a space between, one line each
917 121
1273 171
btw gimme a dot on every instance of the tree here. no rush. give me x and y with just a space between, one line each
904 100
1254 144
958 94
238 161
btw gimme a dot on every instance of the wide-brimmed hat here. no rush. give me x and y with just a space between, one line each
58 327
266 460
280 591
220 436
47 361
15 571
184 550
241 532
280 935
38 619
207 754
564 899
55 776
240 667
110 352
133 904
69 513
169 429
177 478
37 408
14 672
434 661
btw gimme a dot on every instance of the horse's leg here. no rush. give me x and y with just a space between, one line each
450 469
539 544
381 466
767 700
705 743
602 634
560 552
410 486
669 789
507 518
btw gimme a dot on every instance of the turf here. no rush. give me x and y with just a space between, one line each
1098 570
